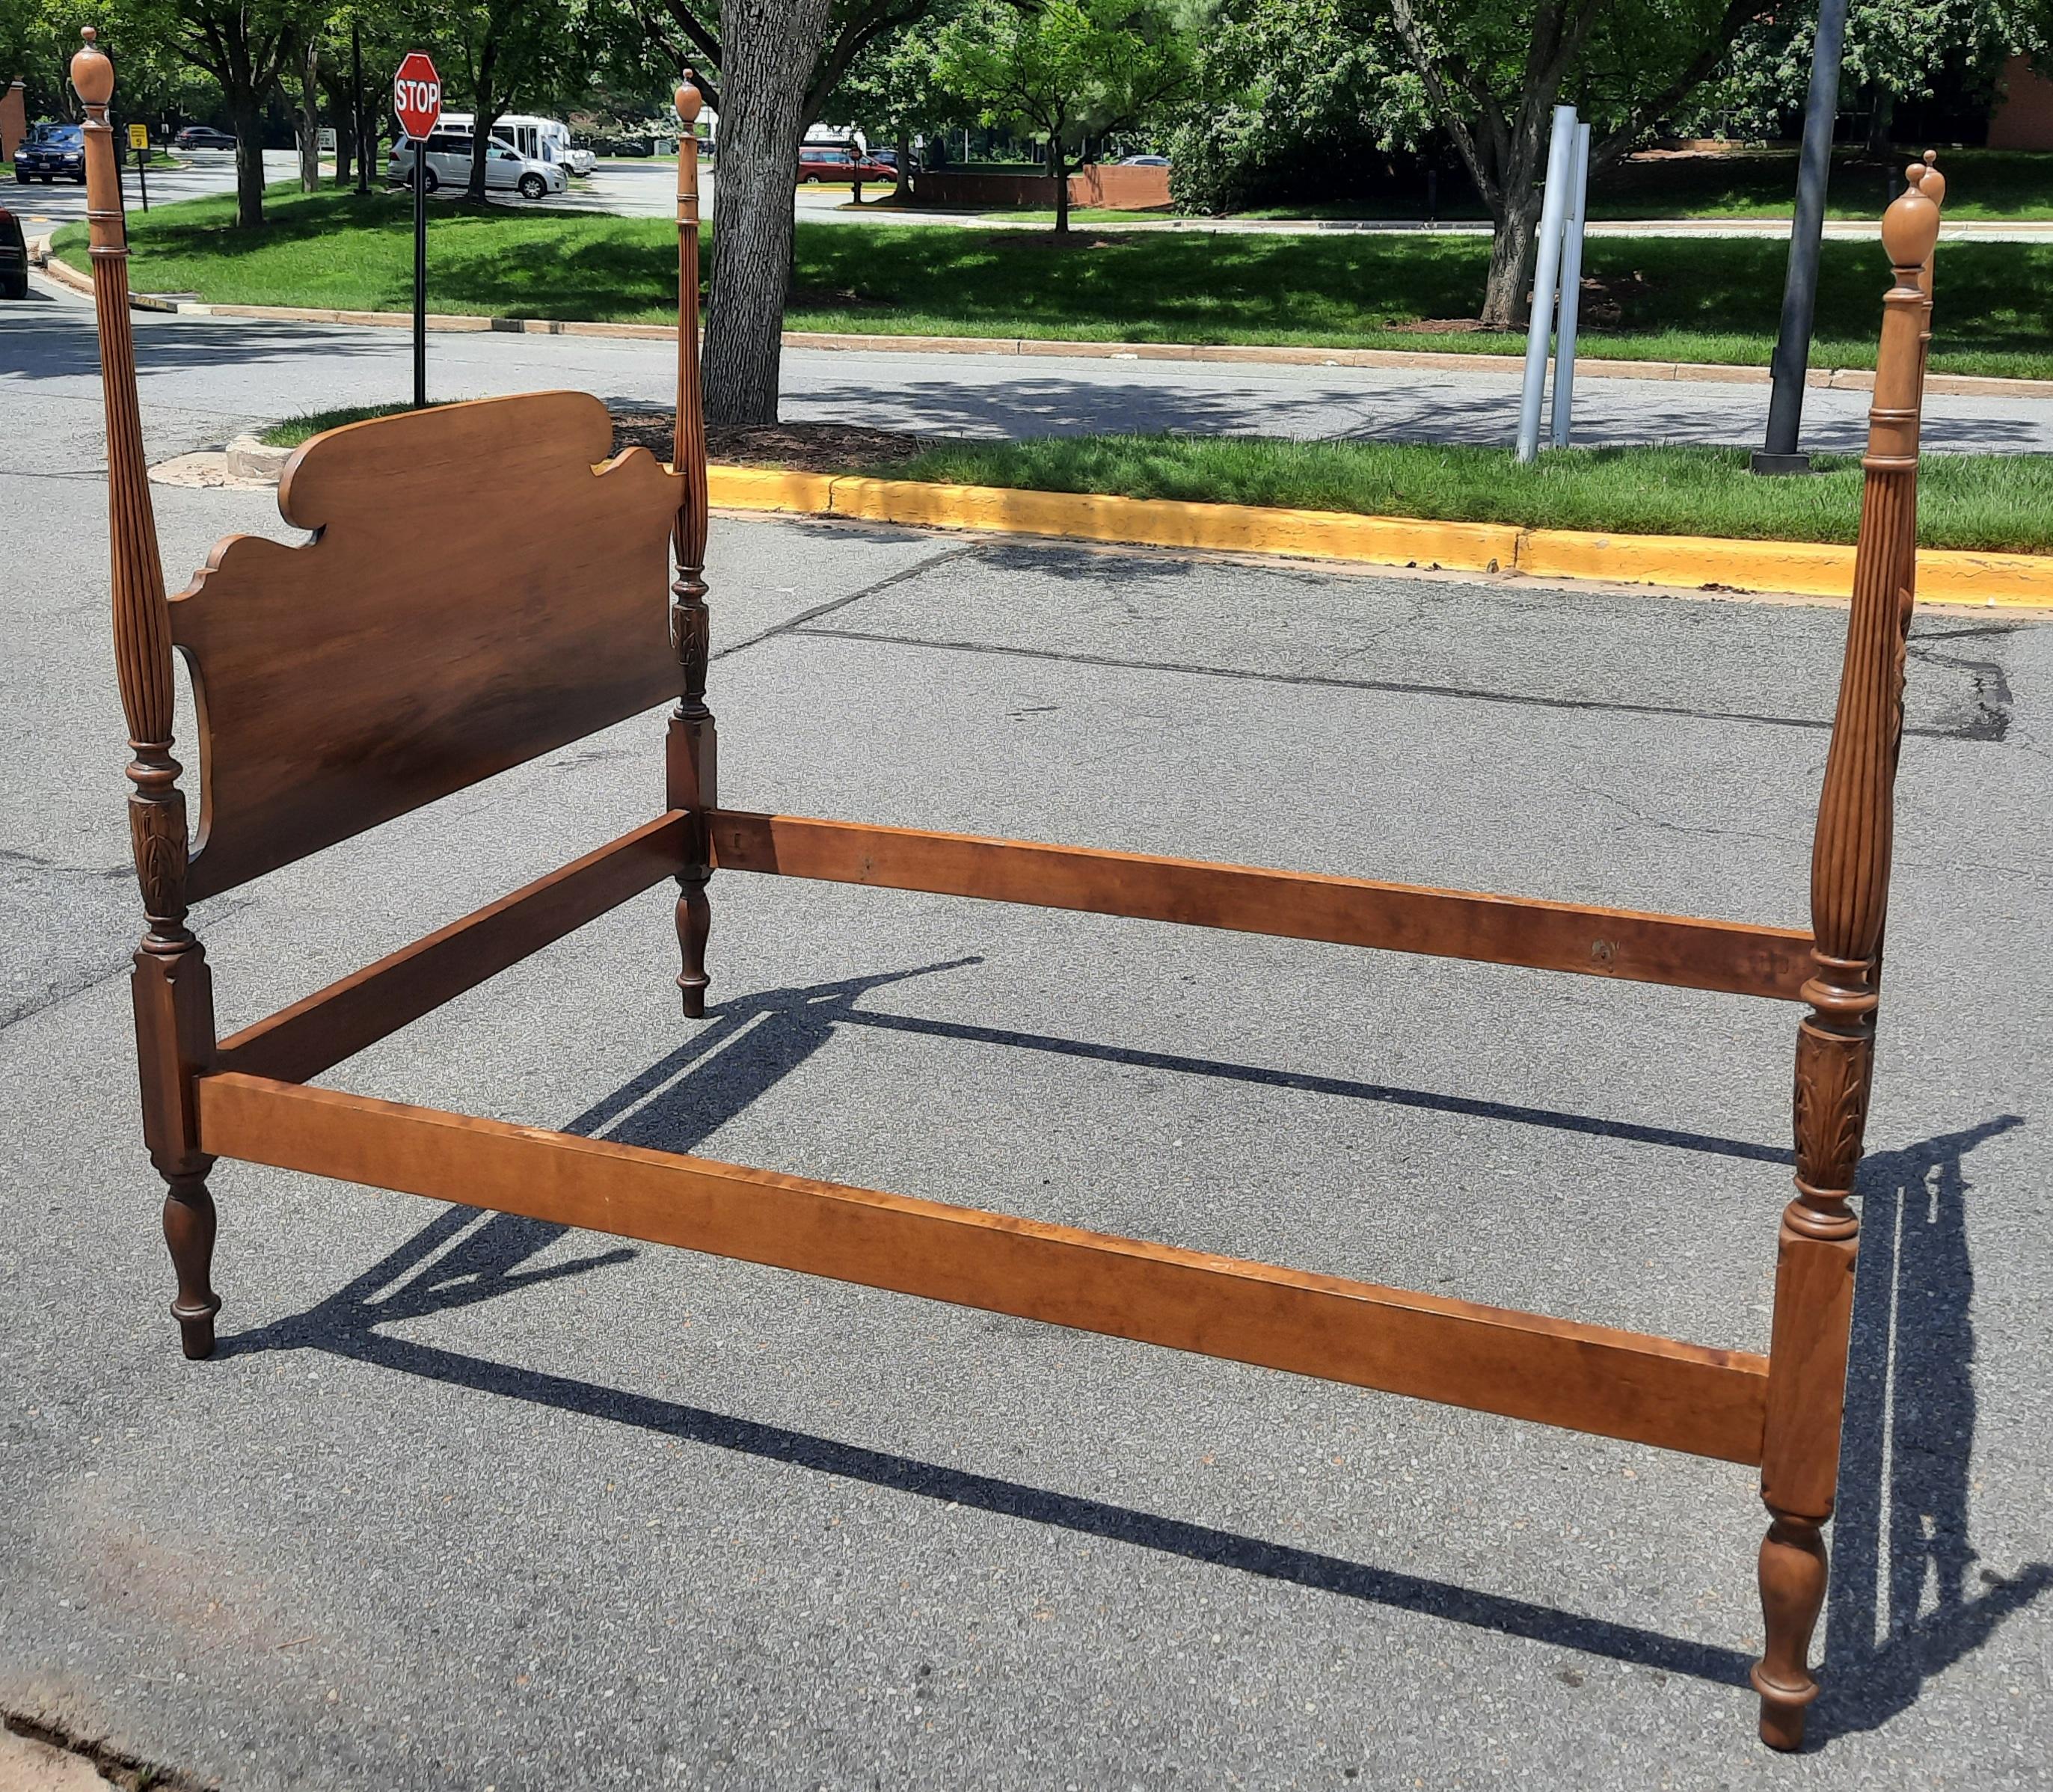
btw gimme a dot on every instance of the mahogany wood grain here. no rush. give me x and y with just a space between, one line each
1819 1238
692 751
478 594
336 1023
1721 955
171 987
1616 1384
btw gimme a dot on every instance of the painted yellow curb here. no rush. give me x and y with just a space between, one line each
1809 569
1316 534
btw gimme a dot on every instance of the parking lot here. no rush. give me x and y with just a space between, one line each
469 1500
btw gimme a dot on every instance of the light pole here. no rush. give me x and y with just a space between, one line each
1779 452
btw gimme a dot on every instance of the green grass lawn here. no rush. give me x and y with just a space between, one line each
1669 299
1989 502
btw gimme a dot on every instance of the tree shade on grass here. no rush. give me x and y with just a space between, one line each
1650 298
1994 503
1986 186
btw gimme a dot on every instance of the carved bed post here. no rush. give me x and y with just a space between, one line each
692 750
1814 1283
173 995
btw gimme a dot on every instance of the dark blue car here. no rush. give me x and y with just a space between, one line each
50 150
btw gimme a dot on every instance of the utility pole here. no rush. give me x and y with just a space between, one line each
357 117
1800 293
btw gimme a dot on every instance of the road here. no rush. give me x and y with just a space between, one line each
208 378
470 1501
637 189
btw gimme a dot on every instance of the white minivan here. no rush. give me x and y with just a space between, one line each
506 170
540 140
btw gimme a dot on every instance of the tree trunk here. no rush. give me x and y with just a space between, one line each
336 95
480 145
247 112
485 97
1880 121
769 48
1058 172
1506 287
309 117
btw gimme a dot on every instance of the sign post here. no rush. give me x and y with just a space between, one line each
138 141
417 103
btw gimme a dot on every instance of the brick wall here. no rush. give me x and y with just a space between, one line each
1101 184
2024 115
14 122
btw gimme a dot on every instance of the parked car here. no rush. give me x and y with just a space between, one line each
448 165
13 257
1144 162
202 136
49 150
838 162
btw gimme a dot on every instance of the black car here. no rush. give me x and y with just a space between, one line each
13 257
49 150
202 136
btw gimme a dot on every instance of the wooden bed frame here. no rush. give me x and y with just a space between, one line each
423 642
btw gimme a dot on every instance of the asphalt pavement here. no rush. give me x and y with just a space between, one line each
470 1501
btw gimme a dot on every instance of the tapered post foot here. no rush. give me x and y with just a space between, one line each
189 1226
1792 1593
694 925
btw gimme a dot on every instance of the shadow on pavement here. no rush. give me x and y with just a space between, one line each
1903 1492
1903 1521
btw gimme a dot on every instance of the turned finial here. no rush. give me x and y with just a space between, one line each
1911 226
689 99
92 73
1933 185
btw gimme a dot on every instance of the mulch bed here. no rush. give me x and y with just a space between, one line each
798 447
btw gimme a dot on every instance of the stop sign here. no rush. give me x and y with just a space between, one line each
416 95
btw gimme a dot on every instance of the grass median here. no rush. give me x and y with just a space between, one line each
1991 503
1658 299
1985 502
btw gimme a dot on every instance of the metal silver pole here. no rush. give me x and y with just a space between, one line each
1779 452
1572 291
1560 151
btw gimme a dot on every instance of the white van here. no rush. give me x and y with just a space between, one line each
506 169
540 140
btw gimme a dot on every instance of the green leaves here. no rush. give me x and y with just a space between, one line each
1064 67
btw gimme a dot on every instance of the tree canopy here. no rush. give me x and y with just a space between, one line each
1062 68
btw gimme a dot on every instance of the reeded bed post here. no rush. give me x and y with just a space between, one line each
173 992
1820 1234
692 750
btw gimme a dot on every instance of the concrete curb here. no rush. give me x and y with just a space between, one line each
249 459
1811 569
1852 379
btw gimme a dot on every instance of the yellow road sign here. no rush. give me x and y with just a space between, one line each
138 136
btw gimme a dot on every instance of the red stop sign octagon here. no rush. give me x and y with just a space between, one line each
416 95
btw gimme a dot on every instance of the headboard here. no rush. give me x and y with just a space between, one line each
478 591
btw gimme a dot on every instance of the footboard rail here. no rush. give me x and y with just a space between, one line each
1589 1378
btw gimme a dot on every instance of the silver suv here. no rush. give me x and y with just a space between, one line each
506 170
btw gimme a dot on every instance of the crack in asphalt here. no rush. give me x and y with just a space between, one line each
117 1766
1977 731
